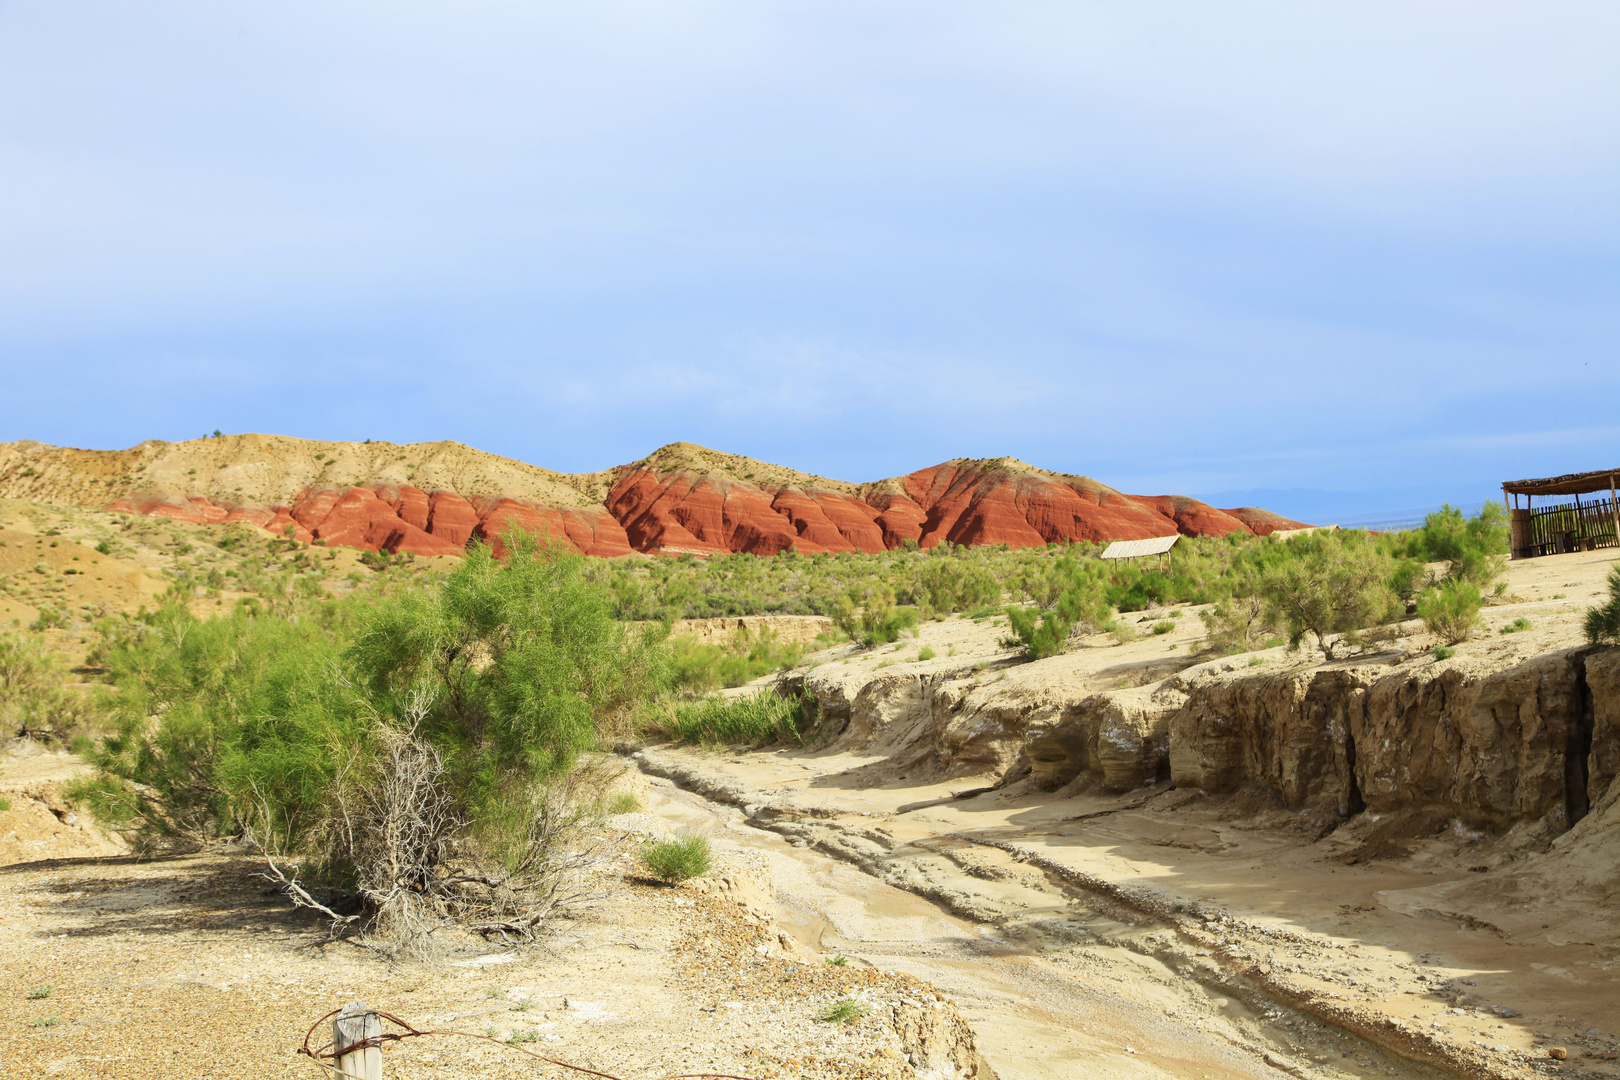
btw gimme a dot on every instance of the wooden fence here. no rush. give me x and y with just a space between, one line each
1553 530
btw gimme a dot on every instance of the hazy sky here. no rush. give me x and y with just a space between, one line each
1367 248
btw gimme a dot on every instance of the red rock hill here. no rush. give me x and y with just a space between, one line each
432 498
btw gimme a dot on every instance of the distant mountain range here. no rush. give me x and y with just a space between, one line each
432 498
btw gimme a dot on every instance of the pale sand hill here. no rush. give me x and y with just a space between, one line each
272 470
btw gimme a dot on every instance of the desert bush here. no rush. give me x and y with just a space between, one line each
949 581
1474 549
1517 626
925 653
700 667
762 717
1442 652
1164 626
35 703
678 860
1330 585
1082 605
1239 622
418 752
1451 611
1603 620
873 619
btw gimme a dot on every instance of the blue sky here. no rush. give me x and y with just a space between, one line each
1338 259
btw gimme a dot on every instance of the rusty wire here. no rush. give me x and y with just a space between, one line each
411 1032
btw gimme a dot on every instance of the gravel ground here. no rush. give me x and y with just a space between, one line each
190 966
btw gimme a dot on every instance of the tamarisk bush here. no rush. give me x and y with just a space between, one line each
418 756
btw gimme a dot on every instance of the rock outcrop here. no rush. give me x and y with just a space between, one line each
432 498
1537 741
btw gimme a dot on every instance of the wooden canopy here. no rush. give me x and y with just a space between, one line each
1570 484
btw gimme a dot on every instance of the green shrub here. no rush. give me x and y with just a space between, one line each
50 1021
925 653
873 619
1603 621
700 667
469 700
720 721
5 804
1517 626
623 803
1163 627
34 700
942 582
1474 549
844 1011
678 860
1083 606
1329 583
1442 652
1451 612
40 991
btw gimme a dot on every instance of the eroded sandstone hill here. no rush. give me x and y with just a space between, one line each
432 498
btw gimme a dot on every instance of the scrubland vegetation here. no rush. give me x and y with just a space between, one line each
407 749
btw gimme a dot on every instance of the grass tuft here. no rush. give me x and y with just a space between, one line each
677 860
1442 652
762 717
1517 626
844 1011
40 991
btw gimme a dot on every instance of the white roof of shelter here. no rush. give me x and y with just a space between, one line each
1130 549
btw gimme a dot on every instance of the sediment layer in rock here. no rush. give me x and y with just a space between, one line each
432 498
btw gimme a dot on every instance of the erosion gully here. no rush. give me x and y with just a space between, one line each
1056 980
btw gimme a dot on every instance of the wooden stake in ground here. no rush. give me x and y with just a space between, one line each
1614 508
355 1024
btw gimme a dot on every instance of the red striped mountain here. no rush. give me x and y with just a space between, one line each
432 498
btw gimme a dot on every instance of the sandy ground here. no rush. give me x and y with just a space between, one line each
115 967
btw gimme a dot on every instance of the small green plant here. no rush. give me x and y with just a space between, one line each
492 992
1558 596
47 1021
623 803
522 1006
677 860
839 961
762 717
1517 626
1451 611
40 991
925 653
1256 661
979 614
1442 652
1603 621
844 1011
1163 627
524 1037
105 547
5 804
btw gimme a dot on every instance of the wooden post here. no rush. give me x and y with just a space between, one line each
356 1024
1614 508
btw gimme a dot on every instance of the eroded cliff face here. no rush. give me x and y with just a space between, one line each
1536 741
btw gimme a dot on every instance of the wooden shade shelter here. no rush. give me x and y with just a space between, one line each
1567 526
1136 549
